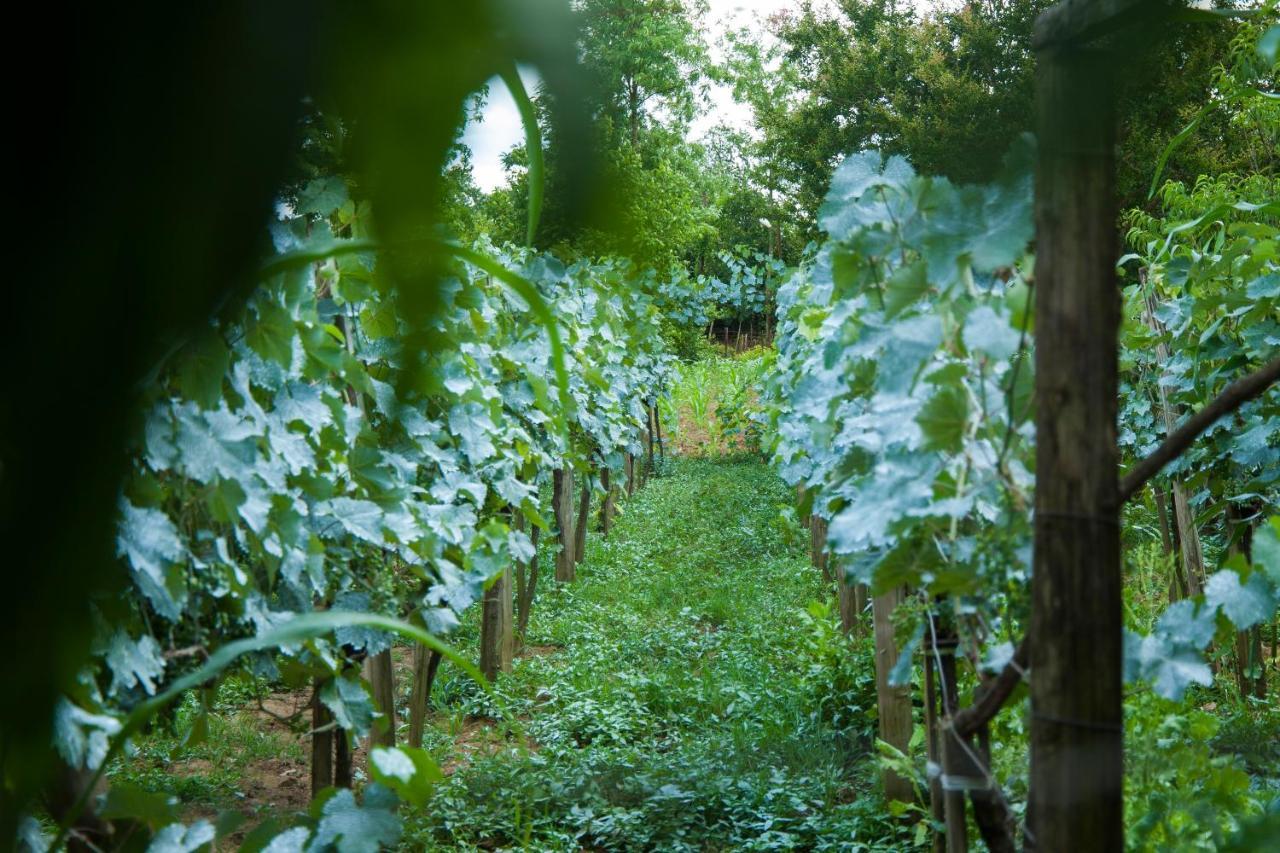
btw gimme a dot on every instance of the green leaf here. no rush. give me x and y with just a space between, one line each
989 332
271 334
1170 667
1266 549
907 284
532 146
901 672
1269 45
1245 604
177 838
408 771
350 703
149 540
352 828
201 367
125 800
944 417
323 196
134 662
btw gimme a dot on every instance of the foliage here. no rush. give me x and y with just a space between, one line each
951 87
899 399
688 694
302 457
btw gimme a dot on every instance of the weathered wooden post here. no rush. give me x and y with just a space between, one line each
1076 792
562 499
381 675
893 702
497 644
321 743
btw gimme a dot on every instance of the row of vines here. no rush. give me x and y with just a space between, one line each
902 407
326 468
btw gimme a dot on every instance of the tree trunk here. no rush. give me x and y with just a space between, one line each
894 703
629 468
1076 781
381 677
584 518
425 664
321 744
562 497
606 502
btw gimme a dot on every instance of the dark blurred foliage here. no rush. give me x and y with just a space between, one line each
151 142
950 89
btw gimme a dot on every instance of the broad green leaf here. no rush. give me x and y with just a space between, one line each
1245 604
1266 549
202 364
989 332
409 771
944 418
357 828
350 703
178 838
907 284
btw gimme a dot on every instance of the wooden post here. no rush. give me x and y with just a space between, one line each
957 768
933 743
496 637
606 503
342 775
629 466
584 517
1188 533
562 498
894 703
818 546
381 677
425 664
847 599
1075 800
526 587
657 431
321 743
1250 666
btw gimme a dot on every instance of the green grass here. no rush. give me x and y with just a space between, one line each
699 698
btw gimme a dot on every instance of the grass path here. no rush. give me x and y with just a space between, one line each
689 692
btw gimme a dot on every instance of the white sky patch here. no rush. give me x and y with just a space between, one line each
500 128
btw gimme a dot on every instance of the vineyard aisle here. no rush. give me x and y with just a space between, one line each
687 692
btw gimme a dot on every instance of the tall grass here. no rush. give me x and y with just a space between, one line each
705 388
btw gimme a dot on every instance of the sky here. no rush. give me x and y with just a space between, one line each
500 129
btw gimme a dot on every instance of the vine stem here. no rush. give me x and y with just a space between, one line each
1176 443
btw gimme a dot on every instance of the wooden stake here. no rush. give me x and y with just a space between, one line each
584 517
1076 793
562 497
381 677
425 663
321 743
894 703
606 503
